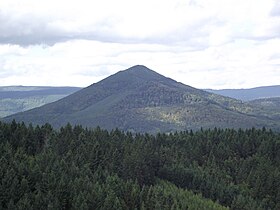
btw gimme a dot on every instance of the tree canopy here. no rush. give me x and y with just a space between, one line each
80 168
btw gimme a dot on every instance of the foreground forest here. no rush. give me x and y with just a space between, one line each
78 168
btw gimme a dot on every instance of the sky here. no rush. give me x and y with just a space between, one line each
203 43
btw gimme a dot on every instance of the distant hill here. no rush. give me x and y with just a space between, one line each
249 94
269 107
141 100
15 99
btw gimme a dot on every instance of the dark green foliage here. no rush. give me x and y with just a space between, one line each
77 168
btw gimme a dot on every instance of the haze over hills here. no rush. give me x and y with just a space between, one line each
141 100
249 94
15 99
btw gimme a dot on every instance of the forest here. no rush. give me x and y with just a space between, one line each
81 168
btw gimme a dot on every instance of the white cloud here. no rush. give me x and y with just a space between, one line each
218 44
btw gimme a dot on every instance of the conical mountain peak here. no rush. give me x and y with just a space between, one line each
141 100
142 71
139 68
135 74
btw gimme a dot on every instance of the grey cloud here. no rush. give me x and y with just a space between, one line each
26 30
276 9
32 30
195 36
275 56
32 40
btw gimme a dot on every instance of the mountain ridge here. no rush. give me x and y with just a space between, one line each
141 100
14 99
249 94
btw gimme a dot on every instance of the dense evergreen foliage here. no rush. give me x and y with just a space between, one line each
77 168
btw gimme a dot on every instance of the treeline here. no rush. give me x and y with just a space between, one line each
78 168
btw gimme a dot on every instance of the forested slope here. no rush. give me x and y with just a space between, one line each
269 107
14 99
141 100
77 168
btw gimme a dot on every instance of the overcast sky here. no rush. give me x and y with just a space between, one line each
202 43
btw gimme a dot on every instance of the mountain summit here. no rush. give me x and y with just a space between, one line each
133 76
141 100
142 72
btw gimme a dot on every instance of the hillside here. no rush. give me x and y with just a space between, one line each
141 100
14 99
269 107
249 94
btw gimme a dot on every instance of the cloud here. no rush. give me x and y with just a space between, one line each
202 43
165 22
275 11
197 24
236 64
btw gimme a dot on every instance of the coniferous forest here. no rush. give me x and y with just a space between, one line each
80 168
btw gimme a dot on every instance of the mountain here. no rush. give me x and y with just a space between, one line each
269 107
15 99
249 94
140 100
